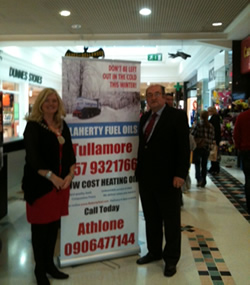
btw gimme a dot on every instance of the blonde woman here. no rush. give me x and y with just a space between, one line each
48 172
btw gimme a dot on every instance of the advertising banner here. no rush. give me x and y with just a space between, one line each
102 102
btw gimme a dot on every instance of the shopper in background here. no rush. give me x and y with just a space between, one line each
241 137
187 185
203 134
48 172
169 97
162 166
215 121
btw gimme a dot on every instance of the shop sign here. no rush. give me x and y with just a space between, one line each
155 57
24 75
245 55
95 54
211 75
228 160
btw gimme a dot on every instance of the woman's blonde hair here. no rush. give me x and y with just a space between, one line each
37 112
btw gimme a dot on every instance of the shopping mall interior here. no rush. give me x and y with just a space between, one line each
194 49
215 239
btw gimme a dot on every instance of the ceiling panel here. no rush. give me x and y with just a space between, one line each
117 26
119 17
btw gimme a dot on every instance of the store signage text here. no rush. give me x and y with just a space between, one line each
211 75
24 75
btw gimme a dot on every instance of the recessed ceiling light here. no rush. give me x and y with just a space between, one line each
217 24
145 12
76 26
65 13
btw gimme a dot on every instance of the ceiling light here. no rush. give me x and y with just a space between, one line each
65 13
76 26
217 24
145 12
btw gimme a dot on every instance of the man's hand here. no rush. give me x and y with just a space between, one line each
178 182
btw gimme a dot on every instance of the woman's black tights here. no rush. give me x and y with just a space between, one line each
43 242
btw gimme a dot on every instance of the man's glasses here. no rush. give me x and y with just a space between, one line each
156 94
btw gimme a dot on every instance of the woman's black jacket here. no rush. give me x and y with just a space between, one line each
42 152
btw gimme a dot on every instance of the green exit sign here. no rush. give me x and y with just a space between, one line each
155 57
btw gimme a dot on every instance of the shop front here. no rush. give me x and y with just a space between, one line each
20 82
220 89
190 88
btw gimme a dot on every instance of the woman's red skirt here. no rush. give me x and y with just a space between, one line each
49 208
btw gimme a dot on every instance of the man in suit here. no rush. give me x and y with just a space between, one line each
215 121
169 97
162 166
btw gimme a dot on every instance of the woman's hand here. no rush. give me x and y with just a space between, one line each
57 181
66 181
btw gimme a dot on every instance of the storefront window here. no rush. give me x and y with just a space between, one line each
222 94
192 107
10 86
10 109
33 93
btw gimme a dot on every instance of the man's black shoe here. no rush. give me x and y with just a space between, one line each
198 184
147 259
169 270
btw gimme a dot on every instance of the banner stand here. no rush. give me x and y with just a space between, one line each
98 257
102 102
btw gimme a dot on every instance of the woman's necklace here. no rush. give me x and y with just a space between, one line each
59 136
60 139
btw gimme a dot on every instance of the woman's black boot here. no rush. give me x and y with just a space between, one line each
55 273
51 269
41 277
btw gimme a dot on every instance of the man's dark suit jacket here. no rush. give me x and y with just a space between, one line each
167 153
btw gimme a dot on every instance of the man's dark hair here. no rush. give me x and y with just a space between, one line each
169 94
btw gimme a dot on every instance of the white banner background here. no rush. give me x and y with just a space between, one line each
103 208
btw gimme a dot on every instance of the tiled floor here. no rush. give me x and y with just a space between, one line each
215 243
